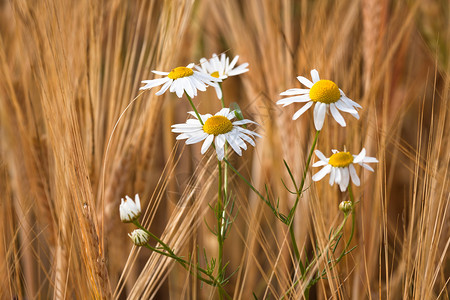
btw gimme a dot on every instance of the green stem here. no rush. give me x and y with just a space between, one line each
350 194
186 264
244 179
225 171
306 294
165 246
313 262
344 252
195 109
222 194
299 193
305 172
219 216
352 199
294 243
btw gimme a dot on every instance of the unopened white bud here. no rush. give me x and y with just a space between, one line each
346 206
130 210
139 237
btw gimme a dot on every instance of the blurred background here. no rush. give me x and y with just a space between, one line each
68 70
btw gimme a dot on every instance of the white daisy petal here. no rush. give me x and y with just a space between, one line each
241 142
219 144
238 70
190 125
342 106
220 153
160 73
231 115
247 139
345 179
184 130
320 163
338 175
320 155
353 175
243 130
176 87
360 156
369 159
350 101
234 61
315 75
332 176
183 136
321 174
220 140
164 88
187 87
192 113
299 112
320 110
193 122
218 92
199 85
242 122
196 138
233 143
223 112
152 83
207 143
294 99
187 131
336 115
367 167
356 116
291 92
305 81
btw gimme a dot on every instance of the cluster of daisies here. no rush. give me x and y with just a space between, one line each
226 128
327 98
223 128
219 129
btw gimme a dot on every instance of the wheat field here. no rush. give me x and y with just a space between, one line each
77 135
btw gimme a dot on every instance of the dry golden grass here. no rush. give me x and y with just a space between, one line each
68 70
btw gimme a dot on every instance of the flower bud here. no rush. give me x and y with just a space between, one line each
130 210
346 206
139 237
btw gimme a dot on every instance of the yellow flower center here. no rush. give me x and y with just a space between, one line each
180 72
341 159
325 91
215 74
217 125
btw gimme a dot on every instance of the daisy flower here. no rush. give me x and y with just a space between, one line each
340 167
130 210
180 80
218 129
221 68
327 96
